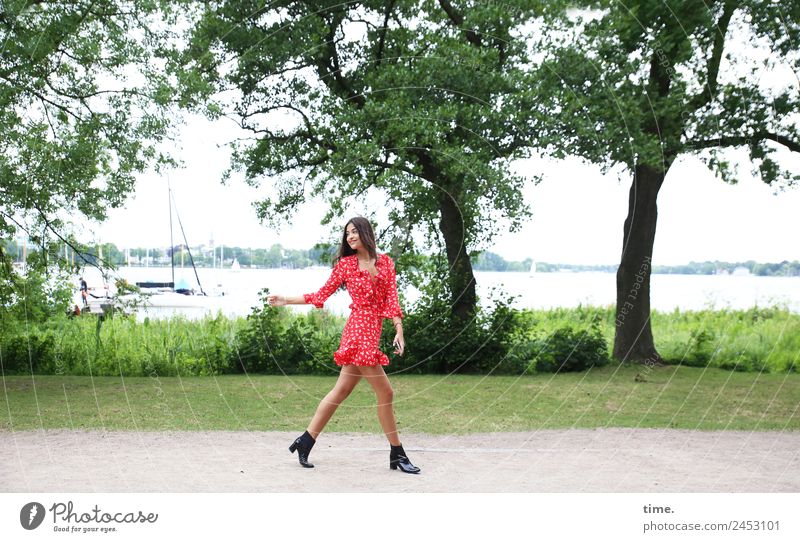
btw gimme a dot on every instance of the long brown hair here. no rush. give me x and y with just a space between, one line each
365 234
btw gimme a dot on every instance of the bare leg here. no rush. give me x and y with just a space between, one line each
349 376
384 392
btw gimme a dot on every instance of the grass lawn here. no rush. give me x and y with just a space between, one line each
615 396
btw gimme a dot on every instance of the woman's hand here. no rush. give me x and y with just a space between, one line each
399 343
276 300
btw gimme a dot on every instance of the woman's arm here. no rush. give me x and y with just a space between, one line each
278 300
391 303
316 298
392 310
399 341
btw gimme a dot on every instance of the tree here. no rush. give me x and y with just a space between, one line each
83 104
425 102
647 81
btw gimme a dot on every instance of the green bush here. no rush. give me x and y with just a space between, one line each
571 349
755 339
437 343
274 340
700 348
121 345
29 351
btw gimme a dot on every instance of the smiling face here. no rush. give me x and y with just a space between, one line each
358 238
352 236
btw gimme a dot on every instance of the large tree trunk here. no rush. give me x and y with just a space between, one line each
633 340
461 278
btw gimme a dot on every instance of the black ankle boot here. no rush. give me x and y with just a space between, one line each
398 458
303 445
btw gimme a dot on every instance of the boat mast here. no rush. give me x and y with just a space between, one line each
186 244
171 243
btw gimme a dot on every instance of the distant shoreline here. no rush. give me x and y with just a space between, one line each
278 257
551 269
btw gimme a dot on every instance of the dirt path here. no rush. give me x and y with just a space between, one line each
572 460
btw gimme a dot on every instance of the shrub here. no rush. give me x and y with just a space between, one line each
29 351
276 341
571 349
437 343
701 348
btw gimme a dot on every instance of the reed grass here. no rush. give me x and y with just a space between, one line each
759 339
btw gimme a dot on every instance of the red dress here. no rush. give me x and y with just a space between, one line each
373 299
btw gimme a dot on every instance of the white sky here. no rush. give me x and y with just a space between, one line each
700 217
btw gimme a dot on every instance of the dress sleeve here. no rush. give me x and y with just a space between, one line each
334 281
391 304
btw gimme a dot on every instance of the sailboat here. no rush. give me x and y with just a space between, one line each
160 294
533 269
235 267
178 294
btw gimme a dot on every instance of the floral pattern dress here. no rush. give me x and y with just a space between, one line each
374 298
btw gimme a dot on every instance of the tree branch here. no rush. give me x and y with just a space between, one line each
57 105
79 99
705 96
83 97
80 253
295 67
516 143
331 71
382 32
735 141
307 134
458 19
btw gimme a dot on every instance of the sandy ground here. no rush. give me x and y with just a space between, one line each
572 460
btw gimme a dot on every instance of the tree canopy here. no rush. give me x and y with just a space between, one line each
646 81
83 105
426 102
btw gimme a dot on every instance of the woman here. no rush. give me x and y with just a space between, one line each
371 283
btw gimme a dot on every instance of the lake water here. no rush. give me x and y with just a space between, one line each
541 290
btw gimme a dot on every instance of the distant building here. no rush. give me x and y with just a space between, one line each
741 271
